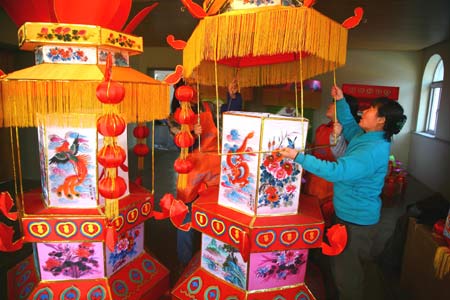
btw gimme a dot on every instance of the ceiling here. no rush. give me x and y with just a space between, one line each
387 24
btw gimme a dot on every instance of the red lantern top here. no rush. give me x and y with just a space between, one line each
185 93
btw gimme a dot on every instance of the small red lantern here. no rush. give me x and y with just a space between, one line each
184 139
112 188
185 93
141 149
183 166
111 156
111 125
141 132
184 117
110 92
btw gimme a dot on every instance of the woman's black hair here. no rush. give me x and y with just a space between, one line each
354 107
392 111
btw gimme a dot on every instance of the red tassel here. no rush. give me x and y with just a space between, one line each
337 236
111 237
174 209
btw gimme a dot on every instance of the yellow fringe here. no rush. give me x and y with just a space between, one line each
142 102
442 262
241 34
182 181
112 208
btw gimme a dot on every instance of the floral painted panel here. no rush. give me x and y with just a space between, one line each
240 141
67 55
72 167
277 269
120 58
280 178
223 261
129 245
68 261
245 4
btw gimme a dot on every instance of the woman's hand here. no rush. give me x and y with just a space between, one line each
197 129
337 128
337 93
288 153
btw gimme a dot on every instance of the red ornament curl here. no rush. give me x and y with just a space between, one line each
141 149
112 188
183 166
141 132
111 156
110 92
184 139
111 125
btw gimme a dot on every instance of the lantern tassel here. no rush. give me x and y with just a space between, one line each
140 163
112 208
182 181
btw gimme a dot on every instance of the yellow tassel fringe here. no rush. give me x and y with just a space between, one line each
442 262
275 31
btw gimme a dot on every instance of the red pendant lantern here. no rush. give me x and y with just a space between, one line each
110 92
185 93
184 139
111 125
184 117
111 156
112 188
183 166
141 149
141 132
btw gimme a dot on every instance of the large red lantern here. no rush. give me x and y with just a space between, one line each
183 166
111 125
184 139
112 187
111 156
141 149
110 92
185 93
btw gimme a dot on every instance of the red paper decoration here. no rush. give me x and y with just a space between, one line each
112 187
141 132
111 125
141 149
184 139
183 166
185 93
110 92
111 156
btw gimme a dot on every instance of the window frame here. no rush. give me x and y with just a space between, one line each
434 102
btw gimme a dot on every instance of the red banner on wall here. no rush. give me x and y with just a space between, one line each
361 91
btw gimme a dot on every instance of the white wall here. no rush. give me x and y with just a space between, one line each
429 159
386 68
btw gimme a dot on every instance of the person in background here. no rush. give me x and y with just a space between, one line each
234 98
358 178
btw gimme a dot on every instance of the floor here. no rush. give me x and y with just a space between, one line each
161 235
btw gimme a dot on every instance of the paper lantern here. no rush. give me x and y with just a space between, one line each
111 125
111 156
183 166
184 117
141 132
185 93
112 188
110 92
141 149
184 139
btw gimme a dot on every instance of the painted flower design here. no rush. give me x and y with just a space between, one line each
61 33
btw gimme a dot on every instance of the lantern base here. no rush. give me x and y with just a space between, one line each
143 278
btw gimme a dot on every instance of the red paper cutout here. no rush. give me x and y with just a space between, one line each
138 18
174 77
174 209
175 44
354 21
121 16
337 237
309 3
194 9
99 12
6 203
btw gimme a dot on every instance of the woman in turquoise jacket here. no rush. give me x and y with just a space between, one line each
358 179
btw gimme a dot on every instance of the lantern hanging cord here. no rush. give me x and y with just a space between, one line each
153 157
198 112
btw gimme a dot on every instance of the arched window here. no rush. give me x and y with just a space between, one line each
434 98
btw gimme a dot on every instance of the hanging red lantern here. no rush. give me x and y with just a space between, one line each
110 92
184 117
141 149
183 166
185 93
111 125
184 139
141 132
112 188
111 156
